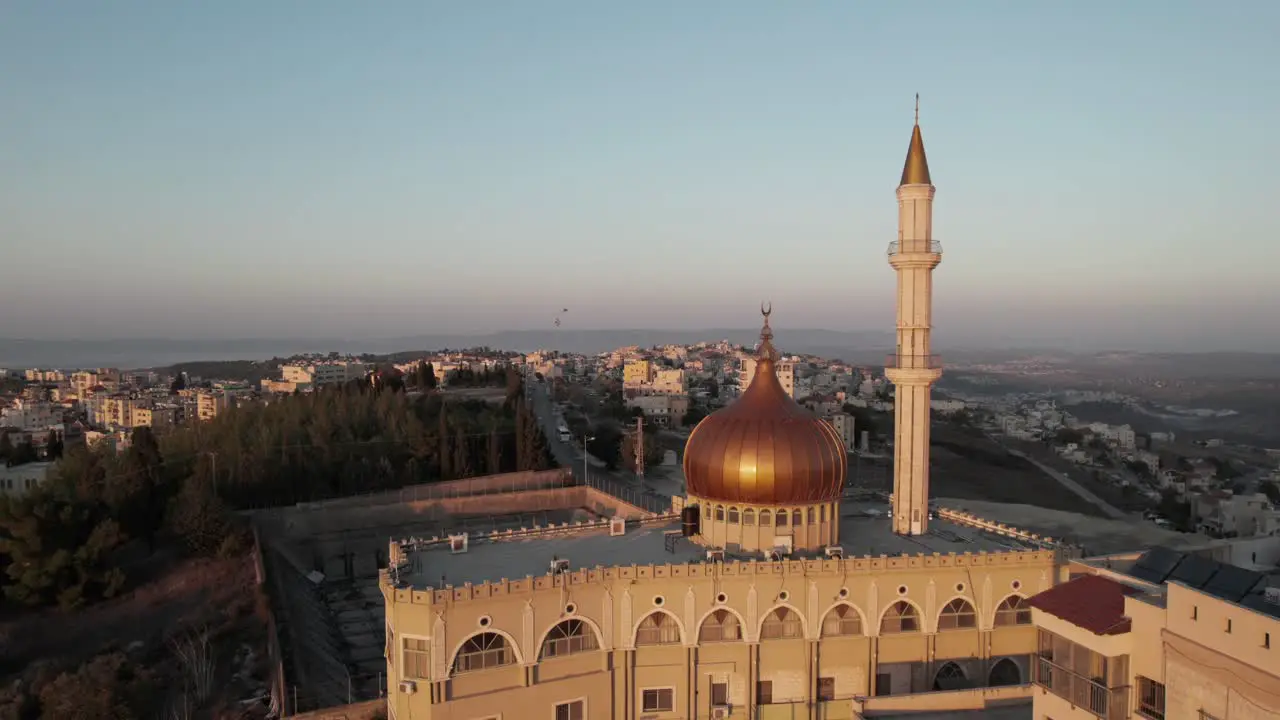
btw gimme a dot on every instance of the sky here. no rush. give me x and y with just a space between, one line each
1105 171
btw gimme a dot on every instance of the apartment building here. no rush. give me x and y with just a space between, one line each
1168 636
20 479
637 373
29 416
326 373
844 427
662 410
786 375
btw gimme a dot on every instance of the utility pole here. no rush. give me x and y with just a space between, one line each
640 449
213 469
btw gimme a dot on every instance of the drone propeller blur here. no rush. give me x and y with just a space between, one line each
562 312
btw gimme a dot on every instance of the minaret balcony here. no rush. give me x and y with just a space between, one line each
913 362
899 247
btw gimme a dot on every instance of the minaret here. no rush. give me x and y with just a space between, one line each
913 370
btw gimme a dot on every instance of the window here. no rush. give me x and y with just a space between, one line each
826 688
782 518
1195 612
733 516
573 710
781 623
766 518
764 692
811 516
1150 698
1013 611
483 651
1228 626
567 638
415 659
719 693
658 629
843 620
748 517
796 518
1266 640
957 615
657 700
720 513
950 677
900 618
720 626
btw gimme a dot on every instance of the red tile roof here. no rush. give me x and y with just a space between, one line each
1092 602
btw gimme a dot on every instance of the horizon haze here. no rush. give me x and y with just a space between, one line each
314 170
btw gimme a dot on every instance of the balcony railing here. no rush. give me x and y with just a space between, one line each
1082 692
897 247
913 362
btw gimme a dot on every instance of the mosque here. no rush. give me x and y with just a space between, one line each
764 592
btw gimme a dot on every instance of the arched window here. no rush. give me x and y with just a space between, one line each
658 628
720 512
766 518
1013 611
733 516
822 513
812 516
748 517
720 626
957 615
483 651
780 624
782 518
901 617
796 518
567 638
842 620
1005 672
950 677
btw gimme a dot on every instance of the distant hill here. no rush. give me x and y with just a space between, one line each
159 352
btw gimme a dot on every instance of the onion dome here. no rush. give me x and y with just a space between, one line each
765 449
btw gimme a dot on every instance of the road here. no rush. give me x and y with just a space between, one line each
1107 508
569 455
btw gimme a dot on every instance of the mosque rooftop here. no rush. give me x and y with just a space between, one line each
864 530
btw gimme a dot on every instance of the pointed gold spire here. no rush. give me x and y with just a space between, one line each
916 170
766 352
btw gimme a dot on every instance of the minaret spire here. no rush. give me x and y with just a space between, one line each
913 370
915 171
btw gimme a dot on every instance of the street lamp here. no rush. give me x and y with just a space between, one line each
585 439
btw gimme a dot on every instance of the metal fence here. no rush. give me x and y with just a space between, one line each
360 688
637 495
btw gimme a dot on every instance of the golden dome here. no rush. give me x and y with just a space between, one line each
765 449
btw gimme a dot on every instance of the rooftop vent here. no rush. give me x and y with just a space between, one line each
835 552
715 556
458 543
559 566
617 526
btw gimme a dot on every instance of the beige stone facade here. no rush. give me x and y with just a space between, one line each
797 638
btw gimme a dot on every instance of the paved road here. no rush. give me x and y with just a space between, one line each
1110 510
569 455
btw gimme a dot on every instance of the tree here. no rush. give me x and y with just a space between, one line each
606 445
1068 435
198 517
179 383
53 448
693 416
23 453
713 388
6 445
58 550
653 450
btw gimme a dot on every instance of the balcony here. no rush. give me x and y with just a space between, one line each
897 247
1082 692
913 362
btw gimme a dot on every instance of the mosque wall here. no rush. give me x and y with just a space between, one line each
661 629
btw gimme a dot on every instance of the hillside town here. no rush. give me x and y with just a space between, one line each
1210 487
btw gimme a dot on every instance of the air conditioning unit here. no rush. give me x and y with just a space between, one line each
559 566
458 543
408 687
715 556
720 712
617 526
835 552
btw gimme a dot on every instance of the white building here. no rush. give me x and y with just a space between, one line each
324 373
21 479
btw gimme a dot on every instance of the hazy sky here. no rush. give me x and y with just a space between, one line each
1106 171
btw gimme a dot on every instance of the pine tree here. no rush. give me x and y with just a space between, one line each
493 465
446 446
463 465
